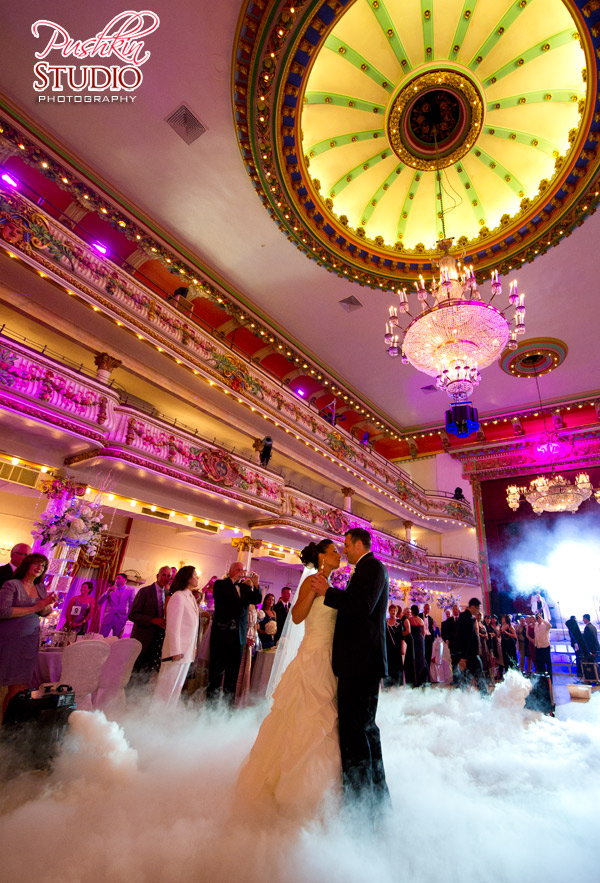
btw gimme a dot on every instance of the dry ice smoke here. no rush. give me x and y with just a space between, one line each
563 558
482 791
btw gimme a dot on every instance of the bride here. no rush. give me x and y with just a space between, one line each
295 760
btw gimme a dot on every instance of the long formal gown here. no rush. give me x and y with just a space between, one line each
421 670
295 760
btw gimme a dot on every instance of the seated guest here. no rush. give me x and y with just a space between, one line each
23 600
118 599
80 609
148 617
458 494
181 636
17 553
267 623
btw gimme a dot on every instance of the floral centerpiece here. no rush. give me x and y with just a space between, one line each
419 596
447 601
80 524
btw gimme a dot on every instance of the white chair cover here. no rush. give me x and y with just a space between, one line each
115 674
81 666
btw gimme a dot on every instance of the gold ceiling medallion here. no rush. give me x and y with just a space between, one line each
435 119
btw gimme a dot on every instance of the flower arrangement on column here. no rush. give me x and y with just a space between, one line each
419 595
447 601
69 518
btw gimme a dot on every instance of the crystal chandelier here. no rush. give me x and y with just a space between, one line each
552 493
457 333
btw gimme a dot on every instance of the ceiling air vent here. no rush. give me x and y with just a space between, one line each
350 303
187 126
147 511
211 528
428 390
19 474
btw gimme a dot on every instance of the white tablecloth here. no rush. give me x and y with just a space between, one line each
47 667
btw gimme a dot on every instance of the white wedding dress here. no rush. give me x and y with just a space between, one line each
295 760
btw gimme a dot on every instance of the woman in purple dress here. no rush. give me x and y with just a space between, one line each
23 600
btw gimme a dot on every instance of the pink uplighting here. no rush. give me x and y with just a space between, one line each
101 248
10 180
300 392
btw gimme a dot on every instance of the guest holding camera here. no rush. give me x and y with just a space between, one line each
23 600
232 597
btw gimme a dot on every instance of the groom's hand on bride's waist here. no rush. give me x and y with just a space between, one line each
319 583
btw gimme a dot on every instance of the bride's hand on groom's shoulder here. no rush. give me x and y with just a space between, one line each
319 584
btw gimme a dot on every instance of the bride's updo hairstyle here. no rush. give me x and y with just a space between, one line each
309 556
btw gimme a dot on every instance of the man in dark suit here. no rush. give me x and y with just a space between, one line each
359 661
590 635
429 633
17 553
466 644
232 597
148 617
449 636
281 610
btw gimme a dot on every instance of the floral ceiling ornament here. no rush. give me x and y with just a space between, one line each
314 100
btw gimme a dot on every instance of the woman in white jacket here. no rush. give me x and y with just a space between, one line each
181 635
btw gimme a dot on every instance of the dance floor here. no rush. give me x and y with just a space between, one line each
482 791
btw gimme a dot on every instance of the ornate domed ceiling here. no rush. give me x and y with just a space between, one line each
370 126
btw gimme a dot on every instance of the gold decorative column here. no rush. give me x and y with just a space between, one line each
245 547
484 565
348 493
105 364
407 530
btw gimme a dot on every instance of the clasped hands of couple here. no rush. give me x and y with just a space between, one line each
319 584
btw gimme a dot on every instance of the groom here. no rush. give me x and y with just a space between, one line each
360 661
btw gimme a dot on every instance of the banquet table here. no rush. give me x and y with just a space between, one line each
47 667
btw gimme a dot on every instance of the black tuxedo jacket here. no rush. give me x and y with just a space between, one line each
6 573
232 608
281 614
590 636
359 644
447 630
466 639
143 610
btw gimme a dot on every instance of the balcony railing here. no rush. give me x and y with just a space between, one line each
56 251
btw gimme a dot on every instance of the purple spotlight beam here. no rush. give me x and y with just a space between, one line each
9 179
300 392
101 248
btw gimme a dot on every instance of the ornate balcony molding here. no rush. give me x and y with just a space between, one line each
449 570
51 248
55 395
582 451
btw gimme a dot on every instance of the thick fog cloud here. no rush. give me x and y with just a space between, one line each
563 559
482 791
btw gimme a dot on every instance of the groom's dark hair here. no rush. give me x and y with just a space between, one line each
359 533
